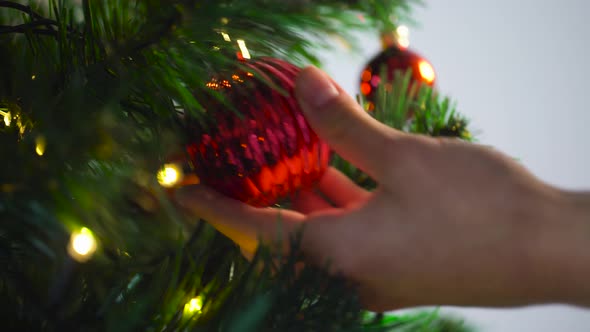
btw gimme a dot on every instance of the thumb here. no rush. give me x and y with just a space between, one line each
340 121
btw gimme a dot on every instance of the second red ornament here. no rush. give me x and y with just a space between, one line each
395 58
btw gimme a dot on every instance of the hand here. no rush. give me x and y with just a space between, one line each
450 223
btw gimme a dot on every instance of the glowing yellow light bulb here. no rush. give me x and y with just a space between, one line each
231 271
193 306
7 117
403 31
20 125
426 71
169 175
82 245
225 37
40 145
243 49
403 36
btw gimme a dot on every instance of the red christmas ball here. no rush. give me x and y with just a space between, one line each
394 59
263 150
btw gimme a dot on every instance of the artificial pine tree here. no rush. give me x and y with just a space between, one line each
97 96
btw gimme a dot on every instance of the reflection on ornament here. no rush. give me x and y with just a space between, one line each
218 84
426 72
169 175
243 49
263 150
193 306
82 245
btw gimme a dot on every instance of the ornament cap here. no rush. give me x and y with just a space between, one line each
398 37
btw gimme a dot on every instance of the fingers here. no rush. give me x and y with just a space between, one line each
342 123
242 223
341 190
337 191
307 201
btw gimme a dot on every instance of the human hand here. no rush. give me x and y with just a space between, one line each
450 223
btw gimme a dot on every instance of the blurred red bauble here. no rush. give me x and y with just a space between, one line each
394 59
264 149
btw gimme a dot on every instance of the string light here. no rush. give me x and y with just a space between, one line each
7 117
21 127
231 271
169 175
82 245
225 37
193 306
33 77
40 145
11 115
243 49
237 78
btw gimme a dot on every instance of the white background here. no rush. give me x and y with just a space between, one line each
519 70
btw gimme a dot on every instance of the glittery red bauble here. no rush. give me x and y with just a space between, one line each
264 149
392 60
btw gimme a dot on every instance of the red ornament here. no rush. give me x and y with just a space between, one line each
267 151
392 60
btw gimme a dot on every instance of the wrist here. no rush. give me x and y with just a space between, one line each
560 248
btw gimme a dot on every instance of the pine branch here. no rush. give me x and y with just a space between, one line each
36 21
24 28
105 97
26 9
30 27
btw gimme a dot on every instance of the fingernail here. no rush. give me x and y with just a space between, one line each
314 88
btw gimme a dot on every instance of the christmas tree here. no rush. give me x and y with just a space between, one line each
107 105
